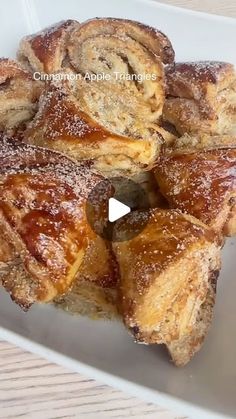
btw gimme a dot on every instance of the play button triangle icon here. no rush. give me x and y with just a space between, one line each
110 204
116 210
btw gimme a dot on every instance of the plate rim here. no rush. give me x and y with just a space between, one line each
144 393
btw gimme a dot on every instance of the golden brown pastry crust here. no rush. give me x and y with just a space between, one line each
42 214
61 125
150 38
199 177
94 292
48 252
108 46
183 349
165 277
119 47
19 95
99 265
129 101
121 110
201 97
105 118
46 51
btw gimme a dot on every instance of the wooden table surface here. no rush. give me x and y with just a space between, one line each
31 387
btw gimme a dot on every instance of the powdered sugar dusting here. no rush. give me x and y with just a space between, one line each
167 236
199 183
208 71
17 158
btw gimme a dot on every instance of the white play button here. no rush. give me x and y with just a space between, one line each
116 210
109 206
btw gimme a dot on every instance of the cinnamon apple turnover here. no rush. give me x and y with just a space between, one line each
201 97
168 277
112 120
42 221
124 52
127 53
122 62
198 176
60 124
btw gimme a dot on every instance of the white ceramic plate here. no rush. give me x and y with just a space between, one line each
206 388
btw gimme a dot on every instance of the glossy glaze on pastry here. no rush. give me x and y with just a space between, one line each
46 51
60 124
42 215
198 176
